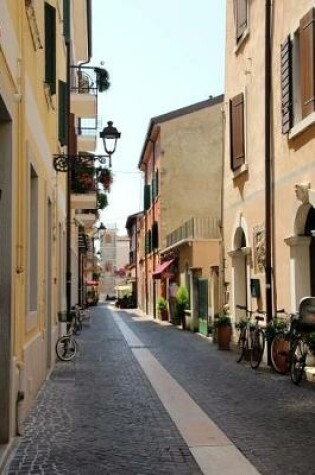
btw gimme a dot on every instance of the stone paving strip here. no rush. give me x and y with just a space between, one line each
212 450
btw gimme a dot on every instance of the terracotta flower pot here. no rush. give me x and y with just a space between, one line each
224 334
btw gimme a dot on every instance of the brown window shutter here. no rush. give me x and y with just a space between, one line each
237 131
286 85
307 63
241 18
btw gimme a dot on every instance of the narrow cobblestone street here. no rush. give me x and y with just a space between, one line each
100 414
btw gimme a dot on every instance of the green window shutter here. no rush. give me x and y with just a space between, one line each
150 240
66 20
147 197
203 298
147 243
153 187
62 112
156 182
155 235
50 47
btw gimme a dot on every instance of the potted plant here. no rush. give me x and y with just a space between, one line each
102 201
273 327
162 307
223 327
105 178
182 301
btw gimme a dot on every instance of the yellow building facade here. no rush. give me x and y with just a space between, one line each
33 75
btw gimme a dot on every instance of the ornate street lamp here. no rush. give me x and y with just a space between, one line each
110 135
67 163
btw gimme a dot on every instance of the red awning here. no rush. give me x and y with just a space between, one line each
91 282
161 268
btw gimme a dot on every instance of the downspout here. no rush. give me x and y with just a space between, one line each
153 220
146 257
68 202
136 259
268 166
222 246
69 174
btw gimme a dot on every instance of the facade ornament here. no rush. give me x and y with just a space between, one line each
259 249
302 192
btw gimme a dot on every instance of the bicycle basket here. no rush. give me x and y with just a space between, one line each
306 320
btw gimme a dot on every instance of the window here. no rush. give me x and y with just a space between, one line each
66 19
33 242
240 15
155 235
148 242
298 73
50 47
237 136
147 197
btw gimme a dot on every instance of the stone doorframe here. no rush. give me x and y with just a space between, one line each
300 248
299 268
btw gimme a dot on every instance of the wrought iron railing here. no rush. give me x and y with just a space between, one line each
89 80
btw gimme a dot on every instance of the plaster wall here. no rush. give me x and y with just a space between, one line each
190 173
292 157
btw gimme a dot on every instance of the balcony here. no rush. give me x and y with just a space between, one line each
84 92
83 185
87 134
86 217
198 228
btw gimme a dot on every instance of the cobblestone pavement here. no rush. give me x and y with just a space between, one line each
99 415
266 416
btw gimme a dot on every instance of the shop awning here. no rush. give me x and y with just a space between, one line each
91 282
161 268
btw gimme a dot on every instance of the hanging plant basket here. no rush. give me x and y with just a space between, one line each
105 178
102 201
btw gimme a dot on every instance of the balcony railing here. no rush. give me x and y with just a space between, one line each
195 228
89 80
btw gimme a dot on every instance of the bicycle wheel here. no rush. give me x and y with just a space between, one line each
258 347
297 361
279 353
66 348
241 345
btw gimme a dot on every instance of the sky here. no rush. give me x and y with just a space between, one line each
160 56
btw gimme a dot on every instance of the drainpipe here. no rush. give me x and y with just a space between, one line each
268 166
146 256
153 220
222 244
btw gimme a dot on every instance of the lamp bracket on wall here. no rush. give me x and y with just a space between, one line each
62 162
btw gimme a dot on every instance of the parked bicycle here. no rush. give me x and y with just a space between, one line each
289 349
84 313
281 341
76 320
66 346
252 337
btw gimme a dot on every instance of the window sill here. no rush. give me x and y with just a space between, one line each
302 126
240 171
